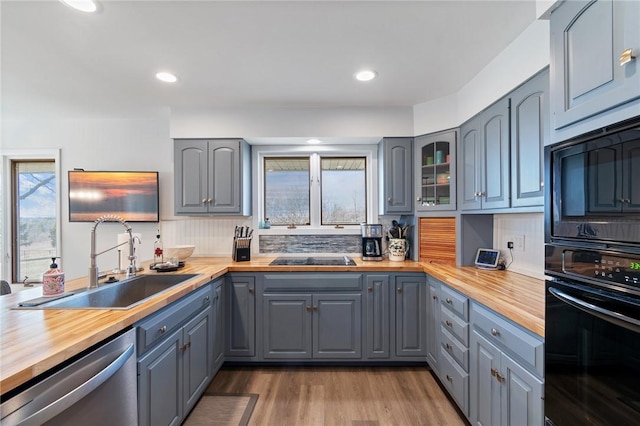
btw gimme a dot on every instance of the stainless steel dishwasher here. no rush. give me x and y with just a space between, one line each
99 388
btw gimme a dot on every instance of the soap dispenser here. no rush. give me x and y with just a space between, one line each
53 280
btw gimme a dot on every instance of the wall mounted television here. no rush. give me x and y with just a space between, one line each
133 196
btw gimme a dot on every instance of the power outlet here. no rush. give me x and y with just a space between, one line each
518 242
509 244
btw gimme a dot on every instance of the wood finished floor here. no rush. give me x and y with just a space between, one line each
333 396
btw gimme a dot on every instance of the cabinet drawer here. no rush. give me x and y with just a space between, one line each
312 282
457 350
162 323
455 380
509 337
454 325
455 302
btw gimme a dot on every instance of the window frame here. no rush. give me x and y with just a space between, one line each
369 152
7 218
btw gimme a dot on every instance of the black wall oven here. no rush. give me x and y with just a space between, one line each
592 261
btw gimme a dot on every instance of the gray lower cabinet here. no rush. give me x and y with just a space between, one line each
175 348
304 326
506 372
433 325
240 316
411 316
218 311
592 70
212 176
378 321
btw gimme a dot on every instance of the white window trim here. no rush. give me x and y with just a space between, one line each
259 152
7 207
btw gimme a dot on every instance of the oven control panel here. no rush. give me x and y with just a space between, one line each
605 267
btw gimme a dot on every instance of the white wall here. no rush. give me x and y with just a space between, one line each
99 144
525 56
528 259
291 122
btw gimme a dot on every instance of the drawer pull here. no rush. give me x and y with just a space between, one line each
499 377
495 332
205 300
449 301
185 346
399 290
315 307
250 291
309 308
162 329
626 57
494 372
370 289
435 297
449 378
449 323
448 346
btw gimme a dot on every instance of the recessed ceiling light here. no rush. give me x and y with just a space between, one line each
366 75
167 77
314 141
82 5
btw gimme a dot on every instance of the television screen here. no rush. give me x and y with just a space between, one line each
133 196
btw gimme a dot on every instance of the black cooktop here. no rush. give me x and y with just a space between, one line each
314 261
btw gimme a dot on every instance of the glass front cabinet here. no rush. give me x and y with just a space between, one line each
435 166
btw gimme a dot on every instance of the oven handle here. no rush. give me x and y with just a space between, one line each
57 407
605 314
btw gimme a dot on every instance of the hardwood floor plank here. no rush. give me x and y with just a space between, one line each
354 396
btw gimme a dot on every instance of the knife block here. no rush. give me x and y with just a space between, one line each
241 250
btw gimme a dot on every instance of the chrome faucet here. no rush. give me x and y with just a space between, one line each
93 268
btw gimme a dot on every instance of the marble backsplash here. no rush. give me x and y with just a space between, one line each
296 244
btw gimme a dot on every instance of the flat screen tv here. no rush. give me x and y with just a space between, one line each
133 196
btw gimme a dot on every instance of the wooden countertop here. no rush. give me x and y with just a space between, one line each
34 341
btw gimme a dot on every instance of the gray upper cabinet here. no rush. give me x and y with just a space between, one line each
396 175
589 72
212 176
529 134
483 161
434 163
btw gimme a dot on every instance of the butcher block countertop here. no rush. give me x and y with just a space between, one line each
36 340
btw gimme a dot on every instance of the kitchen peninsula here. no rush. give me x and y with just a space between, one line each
34 341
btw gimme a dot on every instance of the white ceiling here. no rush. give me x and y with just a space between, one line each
246 53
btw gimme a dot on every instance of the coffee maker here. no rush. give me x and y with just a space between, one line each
371 241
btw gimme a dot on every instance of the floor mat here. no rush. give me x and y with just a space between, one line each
222 409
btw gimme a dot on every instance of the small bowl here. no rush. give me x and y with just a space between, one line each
181 252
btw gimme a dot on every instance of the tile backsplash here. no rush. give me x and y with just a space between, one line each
526 230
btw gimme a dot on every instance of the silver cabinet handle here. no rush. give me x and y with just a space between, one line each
495 332
418 198
449 323
62 404
162 329
448 346
449 378
449 301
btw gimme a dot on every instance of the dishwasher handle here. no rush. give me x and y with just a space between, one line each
66 401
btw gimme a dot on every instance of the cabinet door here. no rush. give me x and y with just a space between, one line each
398 177
287 326
521 395
218 326
240 332
485 389
529 134
470 165
435 165
190 168
197 357
587 39
224 176
337 326
495 135
411 316
160 383
433 326
378 318
631 176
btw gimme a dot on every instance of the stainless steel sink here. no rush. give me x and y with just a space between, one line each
120 295
314 261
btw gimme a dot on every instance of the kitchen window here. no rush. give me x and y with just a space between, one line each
31 204
330 189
